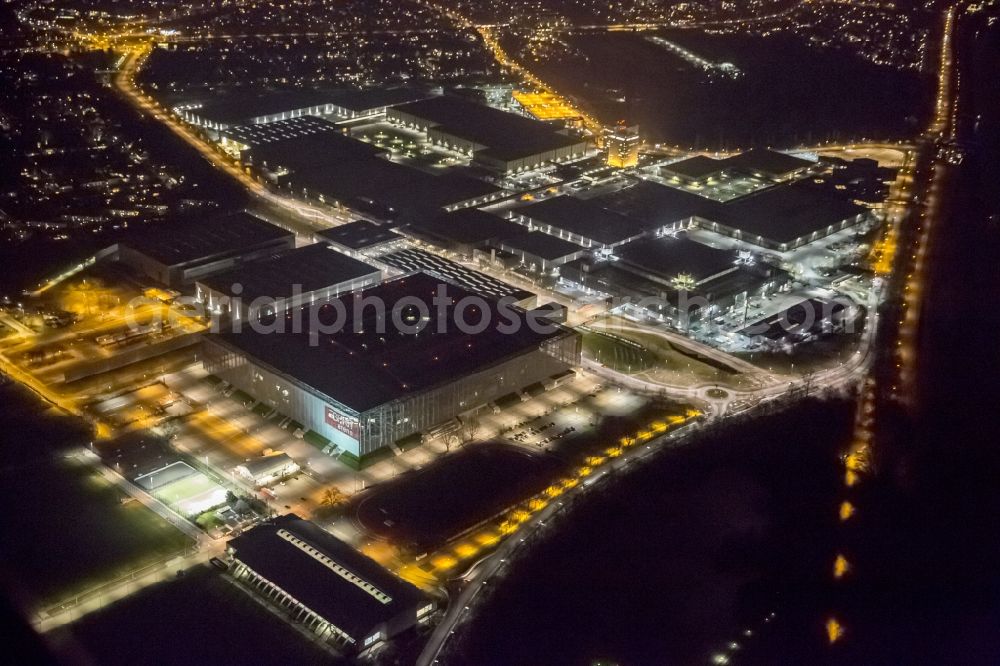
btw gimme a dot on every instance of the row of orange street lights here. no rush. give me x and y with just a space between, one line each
487 538
884 255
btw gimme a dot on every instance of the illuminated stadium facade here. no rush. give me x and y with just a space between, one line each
361 391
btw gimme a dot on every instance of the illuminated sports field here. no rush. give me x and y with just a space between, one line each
191 495
183 488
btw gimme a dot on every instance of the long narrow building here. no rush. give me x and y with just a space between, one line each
345 597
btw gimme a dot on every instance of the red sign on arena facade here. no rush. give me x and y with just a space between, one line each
348 425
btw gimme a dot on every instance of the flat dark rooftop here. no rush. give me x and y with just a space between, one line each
412 260
311 267
362 370
317 151
376 98
281 130
585 218
507 136
388 189
359 234
239 108
182 243
765 161
786 212
668 257
542 245
314 584
653 205
698 166
467 226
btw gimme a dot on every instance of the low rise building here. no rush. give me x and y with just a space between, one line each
185 252
328 587
268 469
579 221
541 252
504 142
283 281
362 239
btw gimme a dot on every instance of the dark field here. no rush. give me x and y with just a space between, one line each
62 508
429 506
680 557
789 94
197 619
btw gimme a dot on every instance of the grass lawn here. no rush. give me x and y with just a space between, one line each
677 364
619 355
67 530
198 619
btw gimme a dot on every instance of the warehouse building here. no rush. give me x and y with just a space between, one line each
503 142
657 208
241 138
304 152
677 262
284 281
186 252
325 585
233 109
337 170
372 375
769 165
782 217
540 252
463 231
579 221
785 217
696 170
267 469
362 239
677 279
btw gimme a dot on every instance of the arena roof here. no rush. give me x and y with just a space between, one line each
362 370
507 136
308 268
359 234
787 212
186 242
351 597
585 218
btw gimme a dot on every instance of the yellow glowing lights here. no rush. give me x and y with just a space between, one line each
840 567
546 105
834 630
846 510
